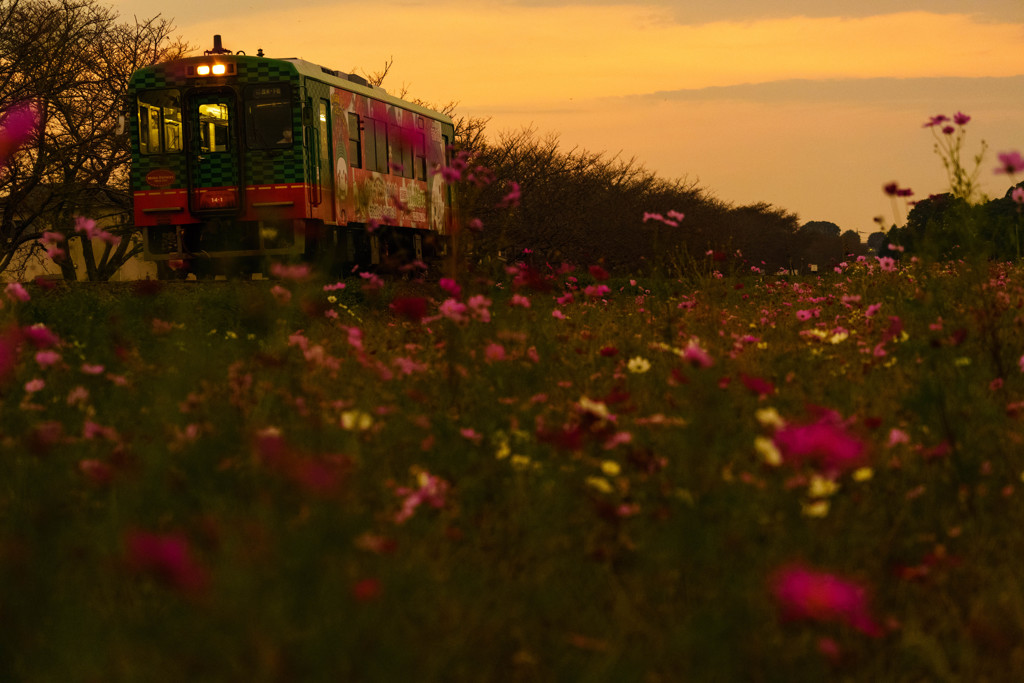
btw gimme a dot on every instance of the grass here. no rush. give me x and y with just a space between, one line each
256 489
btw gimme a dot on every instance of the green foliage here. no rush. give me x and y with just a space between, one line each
585 207
221 482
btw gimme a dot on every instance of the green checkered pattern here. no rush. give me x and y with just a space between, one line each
261 167
216 169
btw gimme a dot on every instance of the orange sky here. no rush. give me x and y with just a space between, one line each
660 83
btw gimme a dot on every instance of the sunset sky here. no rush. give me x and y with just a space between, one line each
808 105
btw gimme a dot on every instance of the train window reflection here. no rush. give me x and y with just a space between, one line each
213 127
159 121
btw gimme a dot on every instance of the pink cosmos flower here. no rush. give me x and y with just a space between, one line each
696 355
961 119
825 443
513 196
520 301
936 121
19 124
804 315
471 434
295 271
16 292
91 369
480 307
355 337
96 471
1011 163
47 358
432 491
450 286
454 310
372 282
596 291
494 353
872 309
897 436
88 226
167 558
40 337
34 385
807 594
1018 195
281 294
886 263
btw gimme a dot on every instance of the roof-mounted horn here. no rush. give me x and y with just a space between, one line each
218 49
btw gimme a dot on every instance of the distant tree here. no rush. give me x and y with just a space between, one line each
877 242
71 60
1004 224
823 228
851 243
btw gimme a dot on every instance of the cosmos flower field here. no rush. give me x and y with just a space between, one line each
543 475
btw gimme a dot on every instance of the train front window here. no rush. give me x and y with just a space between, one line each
269 116
214 127
159 121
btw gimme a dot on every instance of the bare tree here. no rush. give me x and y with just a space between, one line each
73 60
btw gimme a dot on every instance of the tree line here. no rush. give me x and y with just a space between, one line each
947 226
69 61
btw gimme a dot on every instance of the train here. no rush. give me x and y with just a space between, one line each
238 161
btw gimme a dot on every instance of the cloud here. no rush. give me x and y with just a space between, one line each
690 12
921 93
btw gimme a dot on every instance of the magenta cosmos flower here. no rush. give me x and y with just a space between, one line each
825 443
807 594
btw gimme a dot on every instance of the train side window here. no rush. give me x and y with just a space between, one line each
420 153
355 142
159 121
269 116
401 152
370 142
380 135
325 131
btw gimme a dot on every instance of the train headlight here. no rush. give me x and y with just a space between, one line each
219 69
203 69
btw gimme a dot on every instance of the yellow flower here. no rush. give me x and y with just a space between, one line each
596 408
817 508
520 462
356 420
600 484
638 365
769 417
768 451
821 487
863 474
611 468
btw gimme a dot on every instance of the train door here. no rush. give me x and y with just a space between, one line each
326 155
215 154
